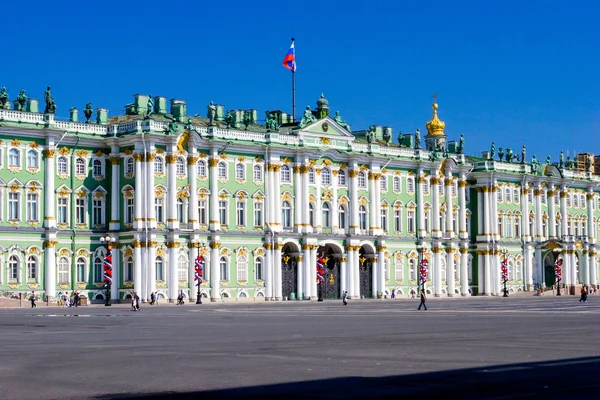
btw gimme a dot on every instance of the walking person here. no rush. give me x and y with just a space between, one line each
133 307
137 301
583 293
32 298
76 299
345 298
423 300
152 298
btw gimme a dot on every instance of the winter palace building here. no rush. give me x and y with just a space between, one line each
262 200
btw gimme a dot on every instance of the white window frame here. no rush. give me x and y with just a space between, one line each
14 158
325 176
222 170
240 171
257 173
62 202
159 165
32 210
341 177
97 168
80 166
81 211
63 271
33 159
361 180
62 165
201 168
242 269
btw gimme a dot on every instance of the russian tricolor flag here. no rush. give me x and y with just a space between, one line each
290 59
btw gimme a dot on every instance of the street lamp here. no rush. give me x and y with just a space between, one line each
557 270
199 270
110 241
422 266
504 268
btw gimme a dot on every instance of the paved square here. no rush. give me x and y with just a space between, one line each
461 347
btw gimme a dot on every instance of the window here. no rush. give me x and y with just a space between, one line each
32 159
569 200
500 225
410 185
412 269
240 213
507 196
341 177
160 269
222 170
397 184
311 215
425 187
499 195
159 209
98 270
62 165
410 217
14 158
129 168
383 183
362 180
223 212
441 187
80 272
362 217
311 175
326 211
508 226
398 268
258 268
63 270
63 210
203 212
129 210
240 172
242 269
342 217
426 221
182 268
129 269
80 167
182 215
286 212
257 173
258 213
159 166
529 196
582 201
31 268
326 176
285 174
398 220
516 197
32 207
97 168
13 268
543 196
454 189
518 270
180 166
223 269
384 218
80 211
202 168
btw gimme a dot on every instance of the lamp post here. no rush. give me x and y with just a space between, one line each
422 266
504 268
557 271
199 270
108 267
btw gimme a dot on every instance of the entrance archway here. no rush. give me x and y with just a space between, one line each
366 258
549 261
289 271
330 288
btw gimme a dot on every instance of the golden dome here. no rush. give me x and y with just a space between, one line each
435 127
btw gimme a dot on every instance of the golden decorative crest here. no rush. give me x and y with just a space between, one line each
15 143
160 252
325 140
242 252
64 252
128 152
64 151
34 145
81 193
81 153
82 252
331 280
223 156
327 162
312 163
128 252
258 159
99 194
259 251
63 192
14 187
99 153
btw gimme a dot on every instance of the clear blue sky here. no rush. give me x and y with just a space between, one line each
517 72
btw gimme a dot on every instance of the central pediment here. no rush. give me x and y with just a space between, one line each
325 127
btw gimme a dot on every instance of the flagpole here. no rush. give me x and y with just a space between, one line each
293 92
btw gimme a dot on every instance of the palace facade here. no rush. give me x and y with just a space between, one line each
261 202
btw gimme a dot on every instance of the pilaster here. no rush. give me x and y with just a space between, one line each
215 273
213 182
192 162
50 265
278 290
171 164
115 184
173 281
49 196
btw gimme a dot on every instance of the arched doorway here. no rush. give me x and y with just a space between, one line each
289 271
366 258
330 288
549 261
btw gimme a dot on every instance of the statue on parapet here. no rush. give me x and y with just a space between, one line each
461 144
50 104
561 162
88 112
589 163
400 138
417 139
272 124
337 118
4 104
246 119
569 163
509 155
212 113
500 153
150 109
371 137
387 136
21 101
307 118
523 155
229 118
492 151
535 165
548 160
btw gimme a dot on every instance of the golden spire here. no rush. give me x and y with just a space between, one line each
435 127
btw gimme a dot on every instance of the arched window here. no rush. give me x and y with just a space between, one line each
181 214
383 183
311 215
61 165
384 217
159 166
98 270
240 212
326 176
222 170
97 168
80 266
180 166
257 173
32 268
412 269
182 269
397 184
397 220
14 158
507 196
240 171
515 196
129 269
285 174
425 186
258 268
362 180
286 211
326 215
499 195
32 159
160 269
129 166
223 268
201 168
454 189
311 175
399 268
410 184
518 266
242 269
223 211
13 268
342 216
362 217
80 167
342 177
63 270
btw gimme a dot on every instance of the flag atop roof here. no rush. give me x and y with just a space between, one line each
289 61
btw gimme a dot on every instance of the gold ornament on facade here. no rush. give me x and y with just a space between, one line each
34 145
160 251
115 160
82 193
352 173
278 246
172 244
15 143
213 162
325 140
258 159
64 151
214 245
364 168
318 171
286 196
49 153
223 156
304 169
81 153
590 196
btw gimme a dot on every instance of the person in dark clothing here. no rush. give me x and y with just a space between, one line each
345 298
32 298
423 300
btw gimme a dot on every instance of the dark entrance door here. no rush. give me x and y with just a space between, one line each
549 275
289 277
365 271
330 288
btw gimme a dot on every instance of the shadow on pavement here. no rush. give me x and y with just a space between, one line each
558 379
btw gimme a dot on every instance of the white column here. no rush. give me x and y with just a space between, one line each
529 266
353 187
150 214
480 272
449 211
278 290
464 272
436 267
139 188
171 164
435 212
268 269
214 195
494 211
585 271
277 199
115 204
215 273
137 267
151 268
192 162
298 194
49 195
381 268
313 264
308 267
593 267
116 263
487 229
552 216
539 233
355 271
318 213
462 210
480 212
525 211
563 210
334 204
590 217
538 265
487 281
50 266
420 206
192 254
271 200
173 281
343 274
304 200
300 292
450 269
373 223
377 187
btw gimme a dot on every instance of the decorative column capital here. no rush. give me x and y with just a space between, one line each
49 153
212 162
172 244
278 246
305 246
171 159
214 245
50 243
463 250
116 160
462 183
192 160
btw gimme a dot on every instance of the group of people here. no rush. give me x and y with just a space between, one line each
180 297
153 299
63 299
585 290
135 302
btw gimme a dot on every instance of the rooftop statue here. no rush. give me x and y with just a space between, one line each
88 112
492 151
271 123
569 163
21 100
548 160
246 119
50 104
523 155
589 164
337 118
3 97
212 112
307 118
561 162
461 144
387 136
500 154
229 118
417 139
150 109
534 163
371 135
400 138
